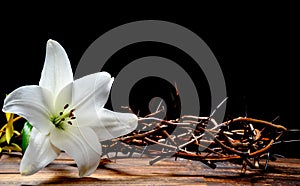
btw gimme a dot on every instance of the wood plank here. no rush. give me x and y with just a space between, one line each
137 171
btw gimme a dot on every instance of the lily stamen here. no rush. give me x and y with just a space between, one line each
64 116
66 106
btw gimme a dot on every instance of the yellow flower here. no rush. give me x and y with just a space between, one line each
7 132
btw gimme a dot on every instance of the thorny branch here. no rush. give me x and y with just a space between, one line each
240 140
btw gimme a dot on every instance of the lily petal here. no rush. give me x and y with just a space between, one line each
109 124
33 103
39 153
81 144
86 95
57 71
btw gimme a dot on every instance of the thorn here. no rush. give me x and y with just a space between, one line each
143 151
275 119
159 105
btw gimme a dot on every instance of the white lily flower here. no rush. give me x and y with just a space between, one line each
67 115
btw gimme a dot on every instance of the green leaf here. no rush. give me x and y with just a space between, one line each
26 135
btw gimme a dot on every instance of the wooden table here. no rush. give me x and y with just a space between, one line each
137 171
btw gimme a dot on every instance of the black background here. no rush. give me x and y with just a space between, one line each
256 46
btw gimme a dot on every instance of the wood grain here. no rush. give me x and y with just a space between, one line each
137 171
